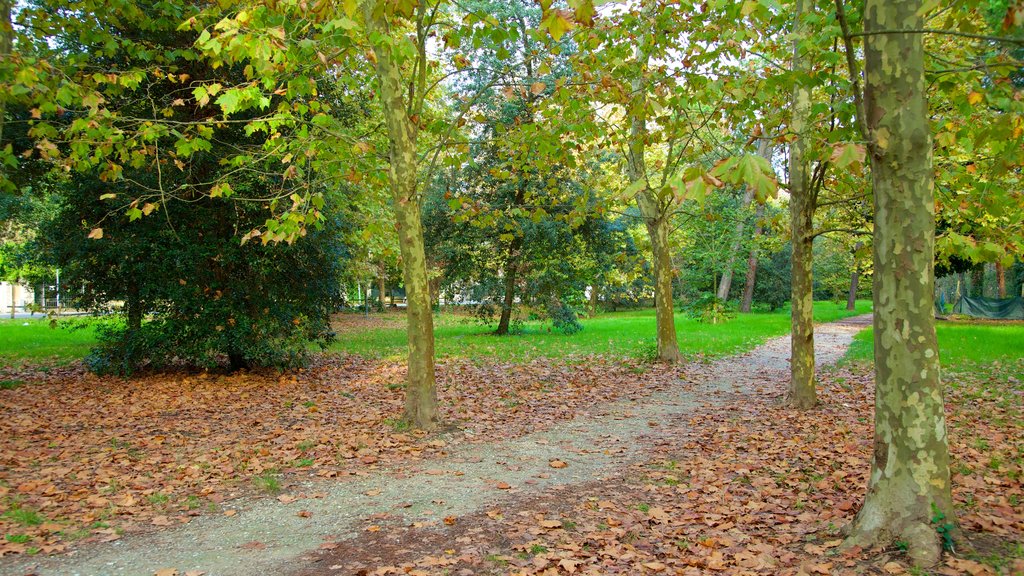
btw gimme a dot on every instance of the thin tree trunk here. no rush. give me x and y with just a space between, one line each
802 394
509 297
751 279
851 299
421 390
725 284
909 485
1001 278
381 300
594 294
133 303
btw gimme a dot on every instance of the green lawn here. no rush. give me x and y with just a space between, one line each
960 342
32 340
615 334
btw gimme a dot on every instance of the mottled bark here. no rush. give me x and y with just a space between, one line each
594 299
851 298
381 300
421 391
909 479
801 394
655 213
1001 279
751 278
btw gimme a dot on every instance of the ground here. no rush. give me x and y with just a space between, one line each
578 466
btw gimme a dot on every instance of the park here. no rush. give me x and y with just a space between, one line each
491 287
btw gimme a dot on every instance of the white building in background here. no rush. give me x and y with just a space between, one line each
19 295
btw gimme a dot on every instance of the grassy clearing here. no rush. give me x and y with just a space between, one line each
960 342
617 334
33 340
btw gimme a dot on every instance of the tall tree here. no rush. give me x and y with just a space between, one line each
403 98
909 486
802 200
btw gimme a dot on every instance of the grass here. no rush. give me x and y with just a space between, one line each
33 340
960 342
616 334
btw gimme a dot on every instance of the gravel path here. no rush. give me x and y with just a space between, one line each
267 536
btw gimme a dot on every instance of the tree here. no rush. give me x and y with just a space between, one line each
209 294
802 201
908 495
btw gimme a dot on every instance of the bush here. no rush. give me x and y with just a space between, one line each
564 318
710 309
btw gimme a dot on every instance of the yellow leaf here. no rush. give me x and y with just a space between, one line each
974 98
96 233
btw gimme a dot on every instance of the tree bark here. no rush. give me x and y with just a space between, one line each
133 305
851 299
802 394
421 390
725 284
656 215
509 297
594 295
1001 279
751 279
909 484
381 300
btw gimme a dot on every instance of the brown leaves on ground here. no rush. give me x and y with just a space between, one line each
756 488
86 458
750 488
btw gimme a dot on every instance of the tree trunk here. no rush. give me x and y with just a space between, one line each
381 300
594 293
509 297
851 299
801 394
133 305
1001 279
656 214
751 279
668 347
725 284
12 299
421 391
909 484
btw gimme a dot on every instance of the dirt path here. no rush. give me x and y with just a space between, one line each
271 536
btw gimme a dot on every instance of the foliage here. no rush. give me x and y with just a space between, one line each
711 309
